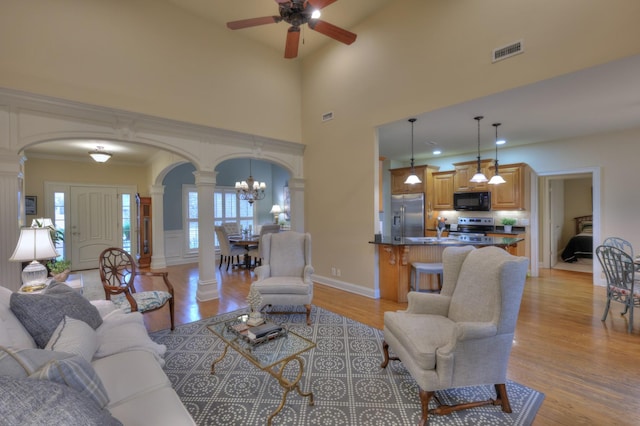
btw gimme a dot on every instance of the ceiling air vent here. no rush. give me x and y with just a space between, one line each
327 116
507 51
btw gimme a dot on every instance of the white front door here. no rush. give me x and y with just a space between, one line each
94 224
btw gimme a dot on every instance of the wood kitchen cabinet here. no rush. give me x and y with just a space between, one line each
398 176
511 194
465 171
443 184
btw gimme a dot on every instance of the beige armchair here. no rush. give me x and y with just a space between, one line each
284 278
462 336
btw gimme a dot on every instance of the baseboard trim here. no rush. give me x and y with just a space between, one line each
345 286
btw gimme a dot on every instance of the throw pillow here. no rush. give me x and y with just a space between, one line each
43 403
41 313
74 337
67 369
13 332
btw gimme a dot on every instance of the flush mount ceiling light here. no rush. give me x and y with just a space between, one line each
100 155
412 179
497 179
479 177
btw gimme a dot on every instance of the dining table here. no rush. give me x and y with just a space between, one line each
248 243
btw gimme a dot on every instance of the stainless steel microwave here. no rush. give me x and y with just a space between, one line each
472 201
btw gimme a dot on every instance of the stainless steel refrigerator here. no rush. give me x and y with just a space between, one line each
407 216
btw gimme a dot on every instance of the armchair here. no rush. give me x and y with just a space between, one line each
284 278
118 272
462 336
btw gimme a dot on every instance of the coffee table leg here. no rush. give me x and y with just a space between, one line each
213 364
288 385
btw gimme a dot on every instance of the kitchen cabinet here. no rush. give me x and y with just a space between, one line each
443 184
511 194
398 176
465 171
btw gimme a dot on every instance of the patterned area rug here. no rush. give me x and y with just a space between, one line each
343 371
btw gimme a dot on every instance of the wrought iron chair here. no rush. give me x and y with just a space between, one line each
619 271
118 272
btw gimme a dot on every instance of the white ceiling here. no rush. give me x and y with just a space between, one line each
601 99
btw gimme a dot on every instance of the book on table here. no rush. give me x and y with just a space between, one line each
263 330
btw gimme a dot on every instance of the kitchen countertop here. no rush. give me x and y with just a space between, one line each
447 241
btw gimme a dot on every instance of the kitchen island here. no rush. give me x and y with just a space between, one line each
395 258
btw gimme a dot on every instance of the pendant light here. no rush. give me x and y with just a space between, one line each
412 179
497 179
479 177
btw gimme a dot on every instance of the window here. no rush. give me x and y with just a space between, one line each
226 208
126 223
58 221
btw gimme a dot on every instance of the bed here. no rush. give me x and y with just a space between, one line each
581 244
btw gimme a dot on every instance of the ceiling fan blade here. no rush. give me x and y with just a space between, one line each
246 23
330 30
320 4
293 39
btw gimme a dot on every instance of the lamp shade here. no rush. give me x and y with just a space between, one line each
276 209
34 244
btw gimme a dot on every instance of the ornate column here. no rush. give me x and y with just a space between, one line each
296 190
12 217
158 259
207 283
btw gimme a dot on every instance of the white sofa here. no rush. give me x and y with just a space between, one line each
130 368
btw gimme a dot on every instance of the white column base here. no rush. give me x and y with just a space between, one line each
207 290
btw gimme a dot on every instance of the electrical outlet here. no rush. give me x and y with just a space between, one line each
333 271
338 272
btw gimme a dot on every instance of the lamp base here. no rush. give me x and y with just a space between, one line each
34 274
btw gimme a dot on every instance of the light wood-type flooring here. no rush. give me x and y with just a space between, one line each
589 370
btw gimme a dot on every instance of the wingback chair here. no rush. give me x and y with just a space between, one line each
462 336
284 278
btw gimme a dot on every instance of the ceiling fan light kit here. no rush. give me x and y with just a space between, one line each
297 13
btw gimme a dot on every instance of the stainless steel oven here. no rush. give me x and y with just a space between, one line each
469 228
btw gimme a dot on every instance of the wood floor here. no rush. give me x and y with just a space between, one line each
588 370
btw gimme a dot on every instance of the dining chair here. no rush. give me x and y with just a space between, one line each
619 271
118 272
227 250
625 246
256 251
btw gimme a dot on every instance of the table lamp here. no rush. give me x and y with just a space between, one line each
276 210
34 244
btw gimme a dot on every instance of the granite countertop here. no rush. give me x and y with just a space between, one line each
447 241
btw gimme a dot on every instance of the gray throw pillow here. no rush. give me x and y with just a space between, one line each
41 313
43 403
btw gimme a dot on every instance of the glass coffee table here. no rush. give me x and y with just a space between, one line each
271 355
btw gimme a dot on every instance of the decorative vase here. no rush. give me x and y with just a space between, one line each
62 276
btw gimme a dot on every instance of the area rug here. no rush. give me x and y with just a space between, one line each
343 371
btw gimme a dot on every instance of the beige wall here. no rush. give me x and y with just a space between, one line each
431 54
146 56
41 170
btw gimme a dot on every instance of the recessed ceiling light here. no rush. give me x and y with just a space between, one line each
437 152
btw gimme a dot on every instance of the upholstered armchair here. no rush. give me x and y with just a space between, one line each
462 336
284 278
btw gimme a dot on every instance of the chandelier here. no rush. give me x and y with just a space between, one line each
250 190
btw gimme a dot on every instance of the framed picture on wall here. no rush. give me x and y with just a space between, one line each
30 204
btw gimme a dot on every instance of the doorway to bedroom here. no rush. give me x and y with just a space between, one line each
570 220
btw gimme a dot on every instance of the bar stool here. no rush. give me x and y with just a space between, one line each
425 268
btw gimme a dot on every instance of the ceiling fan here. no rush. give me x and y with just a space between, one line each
297 13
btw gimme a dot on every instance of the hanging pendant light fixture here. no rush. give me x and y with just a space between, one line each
497 179
412 179
250 190
479 177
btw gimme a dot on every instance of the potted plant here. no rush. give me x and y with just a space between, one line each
59 269
508 222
